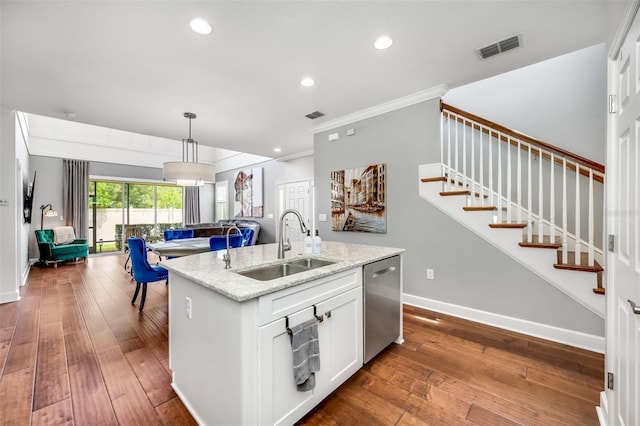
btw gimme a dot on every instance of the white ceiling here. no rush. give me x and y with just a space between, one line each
137 66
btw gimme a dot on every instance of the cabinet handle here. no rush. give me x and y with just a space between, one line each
328 314
635 308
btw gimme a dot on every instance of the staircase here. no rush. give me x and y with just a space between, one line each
539 204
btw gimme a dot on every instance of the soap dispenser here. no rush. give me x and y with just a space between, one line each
308 243
317 243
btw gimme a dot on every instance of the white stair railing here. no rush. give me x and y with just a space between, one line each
479 155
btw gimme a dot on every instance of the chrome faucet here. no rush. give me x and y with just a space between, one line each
285 247
227 256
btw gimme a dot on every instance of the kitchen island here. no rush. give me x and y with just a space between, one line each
229 350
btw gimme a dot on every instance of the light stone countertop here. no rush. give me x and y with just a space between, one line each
207 269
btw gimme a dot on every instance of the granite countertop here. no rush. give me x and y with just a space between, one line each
207 269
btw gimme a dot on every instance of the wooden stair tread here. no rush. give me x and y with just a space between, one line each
573 266
546 243
479 208
506 225
433 179
454 193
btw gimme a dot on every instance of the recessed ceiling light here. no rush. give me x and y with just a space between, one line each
383 42
277 150
200 26
307 82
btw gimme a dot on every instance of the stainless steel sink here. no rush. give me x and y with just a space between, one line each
271 272
311 263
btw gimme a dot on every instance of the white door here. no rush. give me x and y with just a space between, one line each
296 196
623 207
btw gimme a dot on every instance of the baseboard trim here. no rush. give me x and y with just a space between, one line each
560 335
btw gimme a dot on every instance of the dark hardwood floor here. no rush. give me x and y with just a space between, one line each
74 350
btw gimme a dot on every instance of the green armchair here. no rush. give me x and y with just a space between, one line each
52 252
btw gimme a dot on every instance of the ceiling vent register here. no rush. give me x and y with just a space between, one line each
499 47
315 114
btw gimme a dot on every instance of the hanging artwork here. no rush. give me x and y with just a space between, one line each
248 193
358 199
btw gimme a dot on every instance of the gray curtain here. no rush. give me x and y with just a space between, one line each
191 205
75 195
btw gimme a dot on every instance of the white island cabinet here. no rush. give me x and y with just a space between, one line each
229 350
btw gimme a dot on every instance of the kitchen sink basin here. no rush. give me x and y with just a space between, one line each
271 272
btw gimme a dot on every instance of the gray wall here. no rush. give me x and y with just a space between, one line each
468 271
274 172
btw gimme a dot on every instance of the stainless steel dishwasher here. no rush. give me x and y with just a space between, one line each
382 306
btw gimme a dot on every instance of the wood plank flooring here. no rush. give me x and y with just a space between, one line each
74 350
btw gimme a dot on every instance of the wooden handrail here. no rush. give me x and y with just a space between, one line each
597 167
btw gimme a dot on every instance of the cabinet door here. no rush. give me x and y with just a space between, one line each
340 336
278 399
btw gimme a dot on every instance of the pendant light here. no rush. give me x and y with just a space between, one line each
188 172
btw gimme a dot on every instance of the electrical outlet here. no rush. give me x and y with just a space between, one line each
430 275
187 307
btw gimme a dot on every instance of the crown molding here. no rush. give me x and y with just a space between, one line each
405 101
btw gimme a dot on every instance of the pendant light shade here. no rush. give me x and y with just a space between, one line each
188 172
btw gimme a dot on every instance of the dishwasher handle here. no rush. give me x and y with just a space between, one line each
383 271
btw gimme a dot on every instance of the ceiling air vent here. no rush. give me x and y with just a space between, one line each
315 114
499 47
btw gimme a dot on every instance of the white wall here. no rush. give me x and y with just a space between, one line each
561 101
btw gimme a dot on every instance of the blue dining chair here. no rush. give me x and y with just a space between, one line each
219 242
143 272
178 234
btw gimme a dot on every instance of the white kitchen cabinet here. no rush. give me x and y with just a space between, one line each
340 337
232 361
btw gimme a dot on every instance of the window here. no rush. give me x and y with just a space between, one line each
222 200
120 209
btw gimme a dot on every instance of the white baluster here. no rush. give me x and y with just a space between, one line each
499 165
552 200
509 179
565 252
481 168
591 245
456 178
519 185
540 198
490 171
473 163
578 242
529 199
464 154
448 176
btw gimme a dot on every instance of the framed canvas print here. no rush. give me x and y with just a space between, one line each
358 199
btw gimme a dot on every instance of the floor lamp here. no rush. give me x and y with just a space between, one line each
48 213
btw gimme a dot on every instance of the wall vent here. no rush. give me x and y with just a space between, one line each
499 47
315 114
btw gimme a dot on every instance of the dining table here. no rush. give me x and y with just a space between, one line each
180 247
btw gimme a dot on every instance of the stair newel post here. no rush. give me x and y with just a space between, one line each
565 252
577 224
481 166
499 165
591 233
509 179
552 199
442 121
529 197
540 198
